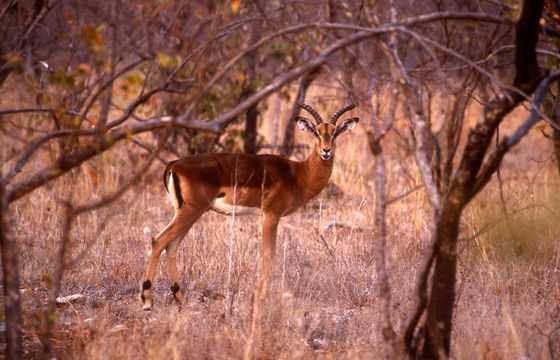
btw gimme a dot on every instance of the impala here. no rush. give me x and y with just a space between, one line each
235 183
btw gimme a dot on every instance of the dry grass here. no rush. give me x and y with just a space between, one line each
323 303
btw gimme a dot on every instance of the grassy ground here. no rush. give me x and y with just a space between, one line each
323 303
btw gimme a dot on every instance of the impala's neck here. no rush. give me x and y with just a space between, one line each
315 173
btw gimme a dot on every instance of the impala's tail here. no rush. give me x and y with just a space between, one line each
172 185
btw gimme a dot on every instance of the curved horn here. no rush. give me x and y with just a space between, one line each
341 111
313 112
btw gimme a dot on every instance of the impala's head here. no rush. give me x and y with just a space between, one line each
326 132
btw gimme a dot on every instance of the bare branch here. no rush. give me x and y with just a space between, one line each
33 146
6 7
28 110
36 21
507 143
403 195
139 101
89 150
150 150
105 82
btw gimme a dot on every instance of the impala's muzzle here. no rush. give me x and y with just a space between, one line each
326 154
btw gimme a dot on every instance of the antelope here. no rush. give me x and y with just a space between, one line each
234 183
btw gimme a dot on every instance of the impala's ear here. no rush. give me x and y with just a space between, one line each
345 126
306 125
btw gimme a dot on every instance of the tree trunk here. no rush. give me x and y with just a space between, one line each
303 85
250 143
252 113
437 334
554 110
556 141
289 132
12 307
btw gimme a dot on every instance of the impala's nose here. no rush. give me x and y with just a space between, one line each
326 154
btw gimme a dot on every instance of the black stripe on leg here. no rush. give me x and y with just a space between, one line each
146 285
175 288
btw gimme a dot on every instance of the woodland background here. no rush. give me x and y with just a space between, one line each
438 236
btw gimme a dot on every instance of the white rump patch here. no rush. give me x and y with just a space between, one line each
220 206
171 191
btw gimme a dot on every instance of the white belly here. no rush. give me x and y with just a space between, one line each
221 207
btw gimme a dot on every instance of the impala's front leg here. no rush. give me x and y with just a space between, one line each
270 226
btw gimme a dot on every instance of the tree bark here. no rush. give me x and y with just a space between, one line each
556 141
526 36
252 113
554 110
440 306
12 306
289 131
250 143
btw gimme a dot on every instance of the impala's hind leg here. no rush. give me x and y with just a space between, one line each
171 250
169 238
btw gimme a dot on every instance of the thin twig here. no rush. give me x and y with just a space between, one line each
403 195
150 150
324 242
